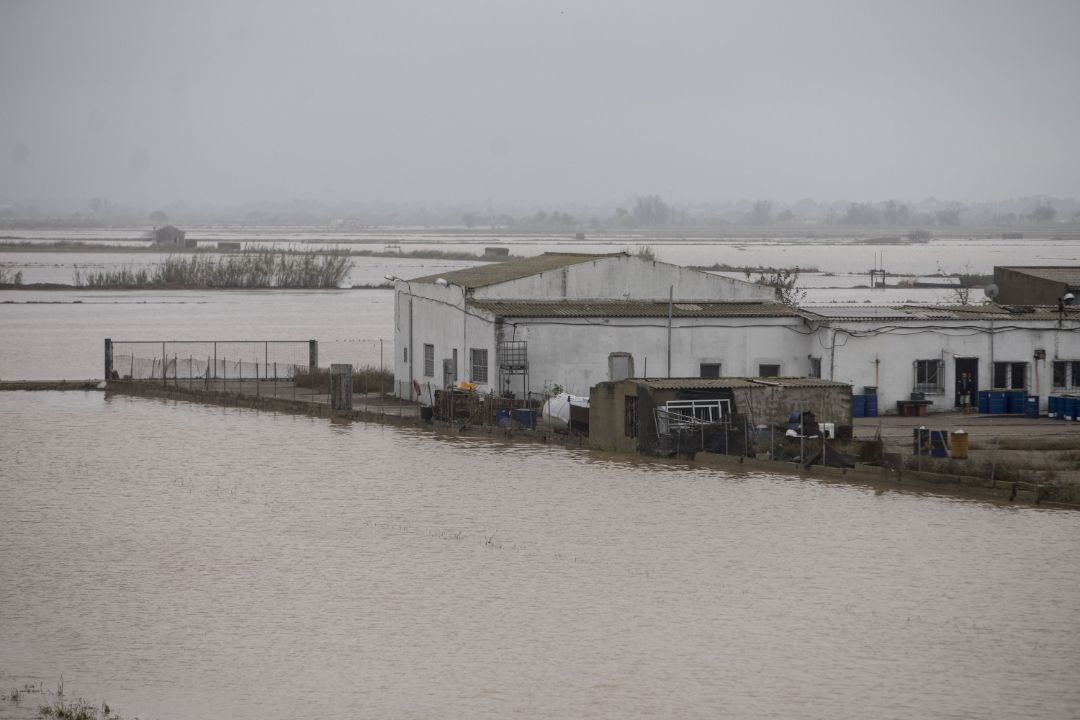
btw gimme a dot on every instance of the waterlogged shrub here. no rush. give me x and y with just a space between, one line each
257 269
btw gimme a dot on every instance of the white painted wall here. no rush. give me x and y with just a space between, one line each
886 360
439 319
625 276
574 353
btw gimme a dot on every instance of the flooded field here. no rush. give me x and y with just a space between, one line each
184 561
829 254
60 335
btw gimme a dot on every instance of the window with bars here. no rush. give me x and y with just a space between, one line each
429 360
710 370
1011 375
929 377
815 367
478 365
1066 374
767 371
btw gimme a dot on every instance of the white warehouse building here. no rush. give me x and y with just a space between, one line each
574 320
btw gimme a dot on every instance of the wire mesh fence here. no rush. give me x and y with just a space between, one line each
210 359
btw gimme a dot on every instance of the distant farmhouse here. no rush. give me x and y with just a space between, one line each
564 319
172 237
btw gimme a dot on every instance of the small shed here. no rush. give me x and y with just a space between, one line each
172 236
496 252
623 415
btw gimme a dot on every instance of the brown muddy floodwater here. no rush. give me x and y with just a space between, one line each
183 561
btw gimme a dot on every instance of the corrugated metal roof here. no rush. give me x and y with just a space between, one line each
493 273
1070 275
735 382
632 308
914 313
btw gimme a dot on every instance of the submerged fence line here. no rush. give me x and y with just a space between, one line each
209 359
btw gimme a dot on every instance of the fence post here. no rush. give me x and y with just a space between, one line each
164 362
266 359
341 389
215 360
108 359
313 355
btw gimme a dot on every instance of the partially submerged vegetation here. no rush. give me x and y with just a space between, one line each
55 705
258 269
749 270
7 277
366 379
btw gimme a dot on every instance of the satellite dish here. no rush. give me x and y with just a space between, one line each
991 291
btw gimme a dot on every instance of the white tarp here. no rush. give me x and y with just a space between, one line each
556 411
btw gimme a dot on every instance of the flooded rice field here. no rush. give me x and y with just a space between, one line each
184 561
840 255
53 335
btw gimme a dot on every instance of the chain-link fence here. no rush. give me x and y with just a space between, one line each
210 359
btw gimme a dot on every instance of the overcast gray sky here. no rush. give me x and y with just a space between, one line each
545 102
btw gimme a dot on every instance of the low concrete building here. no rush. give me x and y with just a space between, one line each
623 414
925 349
574 321
524 323
1036 285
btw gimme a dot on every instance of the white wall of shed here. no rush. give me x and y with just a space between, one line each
574 353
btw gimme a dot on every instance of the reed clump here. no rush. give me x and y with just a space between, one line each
77 710
253 269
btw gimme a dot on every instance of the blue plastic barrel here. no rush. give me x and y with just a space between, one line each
858 406
1031 407
998 403
1070 409
1052 406
871 406
502 418
939 443
984 401
1018 401
525 418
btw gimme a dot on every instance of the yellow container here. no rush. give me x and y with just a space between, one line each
958 445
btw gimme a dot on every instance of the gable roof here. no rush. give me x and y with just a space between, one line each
1069 275
633 308
495 273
